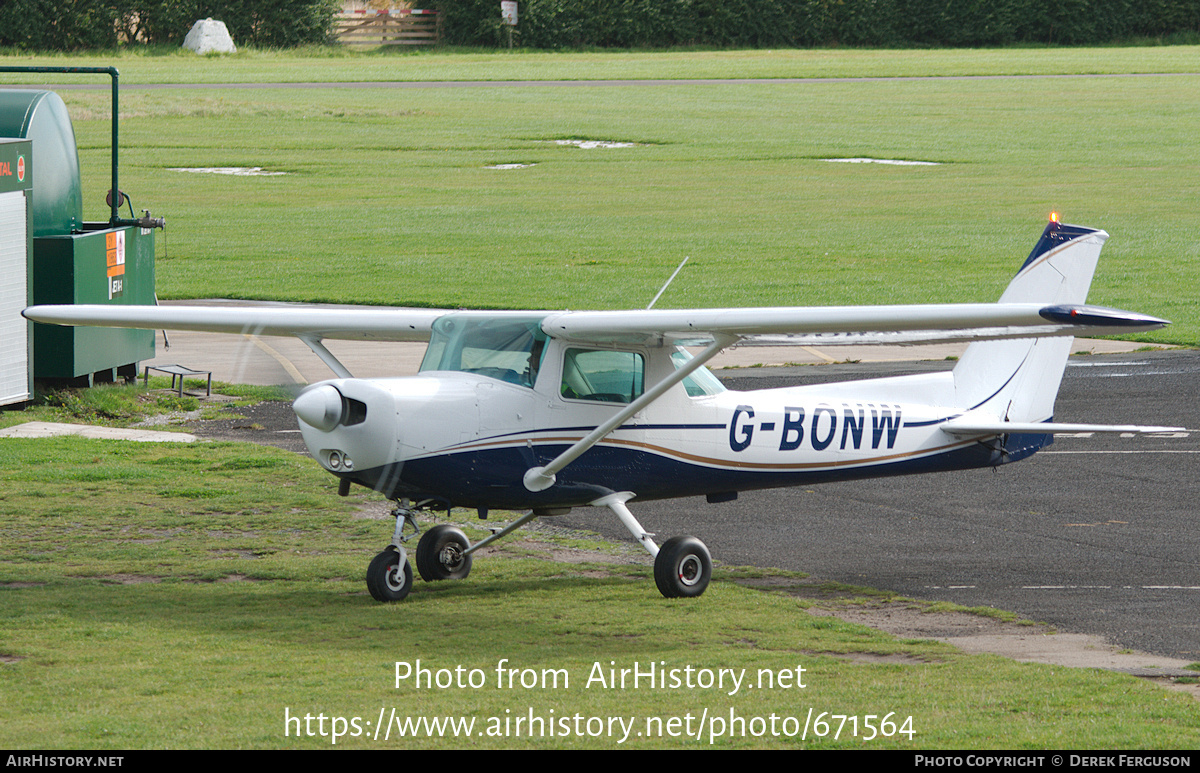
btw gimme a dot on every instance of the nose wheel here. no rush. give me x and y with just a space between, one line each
389 577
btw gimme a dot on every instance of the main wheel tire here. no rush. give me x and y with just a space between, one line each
387 579
682 568
440 554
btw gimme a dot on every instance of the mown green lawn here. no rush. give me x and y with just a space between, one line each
200 596
388 198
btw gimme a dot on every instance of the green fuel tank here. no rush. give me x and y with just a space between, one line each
41 116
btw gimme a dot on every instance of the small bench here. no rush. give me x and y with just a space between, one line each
180 372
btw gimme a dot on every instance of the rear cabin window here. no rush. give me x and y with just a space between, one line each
603 376
701 382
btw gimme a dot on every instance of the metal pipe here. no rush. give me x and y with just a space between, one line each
115 195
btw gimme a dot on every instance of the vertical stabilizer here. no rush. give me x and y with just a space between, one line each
1018 380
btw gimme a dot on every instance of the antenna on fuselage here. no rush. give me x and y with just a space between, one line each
668 284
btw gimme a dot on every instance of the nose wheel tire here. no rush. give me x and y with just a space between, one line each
682 568
389 579
440 554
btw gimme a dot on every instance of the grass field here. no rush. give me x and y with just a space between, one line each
196 597
161 596
160 65
387 198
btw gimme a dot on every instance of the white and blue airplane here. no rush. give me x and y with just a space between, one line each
543 411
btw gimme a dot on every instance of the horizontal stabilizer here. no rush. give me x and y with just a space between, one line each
972 425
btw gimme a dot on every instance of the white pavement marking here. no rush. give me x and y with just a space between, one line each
1150 451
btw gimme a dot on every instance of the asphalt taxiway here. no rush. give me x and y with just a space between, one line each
1096 534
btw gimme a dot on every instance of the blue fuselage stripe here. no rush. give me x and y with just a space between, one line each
491 477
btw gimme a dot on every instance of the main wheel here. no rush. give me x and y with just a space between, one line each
440 554
387 578
682 568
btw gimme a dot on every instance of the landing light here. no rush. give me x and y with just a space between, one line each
339 460
1053 217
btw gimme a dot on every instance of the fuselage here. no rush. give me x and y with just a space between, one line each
467 438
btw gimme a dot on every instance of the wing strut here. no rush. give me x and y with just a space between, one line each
326 356
542 478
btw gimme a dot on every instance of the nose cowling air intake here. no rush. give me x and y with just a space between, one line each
324 407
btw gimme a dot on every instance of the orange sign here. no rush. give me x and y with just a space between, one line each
114 243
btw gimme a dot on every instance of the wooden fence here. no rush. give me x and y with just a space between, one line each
388 28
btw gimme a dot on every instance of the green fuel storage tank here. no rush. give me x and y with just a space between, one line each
41 116
73 261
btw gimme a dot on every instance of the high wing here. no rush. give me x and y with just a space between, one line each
1045 299
772 325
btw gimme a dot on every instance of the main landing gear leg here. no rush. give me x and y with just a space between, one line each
682 566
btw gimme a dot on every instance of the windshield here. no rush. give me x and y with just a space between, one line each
509 348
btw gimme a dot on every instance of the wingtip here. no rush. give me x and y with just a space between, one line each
36 313
1099 316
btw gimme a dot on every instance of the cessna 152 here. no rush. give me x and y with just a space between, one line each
545 411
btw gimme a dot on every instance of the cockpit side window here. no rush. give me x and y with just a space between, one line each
602 375
505 348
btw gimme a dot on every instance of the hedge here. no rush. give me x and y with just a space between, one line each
550 24
67 25
62 25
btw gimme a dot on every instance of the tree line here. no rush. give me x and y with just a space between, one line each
66 25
